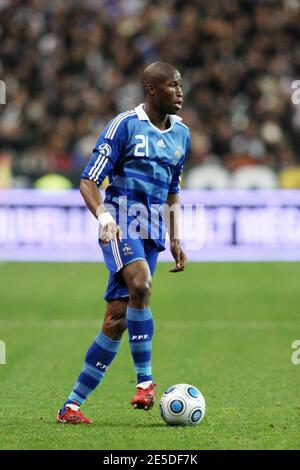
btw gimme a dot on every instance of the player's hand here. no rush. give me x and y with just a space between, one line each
108 229
179 257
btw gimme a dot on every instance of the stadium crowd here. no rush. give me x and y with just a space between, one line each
70 66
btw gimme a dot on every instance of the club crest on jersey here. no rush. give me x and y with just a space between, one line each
177 154
105 150
127 250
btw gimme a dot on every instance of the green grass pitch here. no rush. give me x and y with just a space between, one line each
225 328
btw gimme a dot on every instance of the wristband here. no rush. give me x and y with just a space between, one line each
105 218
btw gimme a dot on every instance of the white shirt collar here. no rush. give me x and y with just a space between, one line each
142 115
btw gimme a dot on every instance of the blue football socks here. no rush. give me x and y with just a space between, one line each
140 332
97 360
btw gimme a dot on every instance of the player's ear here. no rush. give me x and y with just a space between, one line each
151 89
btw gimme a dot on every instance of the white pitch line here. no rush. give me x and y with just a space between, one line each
231 324
170 325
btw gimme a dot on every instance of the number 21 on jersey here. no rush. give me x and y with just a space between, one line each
141 149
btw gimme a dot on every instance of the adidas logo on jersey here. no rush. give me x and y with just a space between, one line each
161 143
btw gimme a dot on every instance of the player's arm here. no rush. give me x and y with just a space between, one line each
173 219
105 155
172 222
108 229
92 197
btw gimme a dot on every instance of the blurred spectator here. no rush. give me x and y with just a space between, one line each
70 66
5 170
290 177
259 177
52 181
208 176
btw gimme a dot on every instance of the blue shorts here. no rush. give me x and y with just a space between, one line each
119 254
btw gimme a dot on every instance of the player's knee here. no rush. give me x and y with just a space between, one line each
141 288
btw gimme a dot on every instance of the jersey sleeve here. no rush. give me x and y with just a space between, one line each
175 183
107 151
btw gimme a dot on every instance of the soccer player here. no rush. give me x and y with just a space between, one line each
142 151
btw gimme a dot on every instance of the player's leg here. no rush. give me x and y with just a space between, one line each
106 344
97 360
114 323
101 352
140 326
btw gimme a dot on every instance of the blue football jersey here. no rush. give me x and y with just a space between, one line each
143 164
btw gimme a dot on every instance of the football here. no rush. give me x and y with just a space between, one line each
182 404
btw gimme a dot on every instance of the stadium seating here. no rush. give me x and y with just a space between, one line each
70 69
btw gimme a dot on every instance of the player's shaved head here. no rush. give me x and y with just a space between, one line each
158 72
